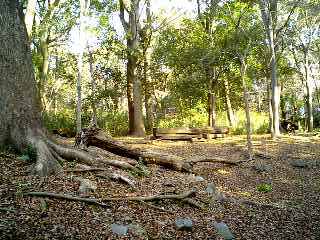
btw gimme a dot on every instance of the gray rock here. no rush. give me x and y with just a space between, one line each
224 231
184 224
211 189
299 163
261 167
199 179
119 229
86 186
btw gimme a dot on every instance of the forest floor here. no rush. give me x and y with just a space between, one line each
276 196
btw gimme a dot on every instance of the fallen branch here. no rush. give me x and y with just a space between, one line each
215 160
118 177
66 197
101 200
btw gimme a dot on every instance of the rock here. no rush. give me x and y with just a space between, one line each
86 186
299 163
223 230
199 179
261 167
184 224
119 229
211 189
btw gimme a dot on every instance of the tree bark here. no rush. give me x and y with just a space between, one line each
230 112
20 123
136 122
309 91
269 15
93 89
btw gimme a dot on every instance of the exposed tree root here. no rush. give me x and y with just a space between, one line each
215 160
66 197
87 170
102 200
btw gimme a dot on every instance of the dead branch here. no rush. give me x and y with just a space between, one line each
66 197
215 160
118 177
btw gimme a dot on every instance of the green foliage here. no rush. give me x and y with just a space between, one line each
115 122
259 123
63 119
264 187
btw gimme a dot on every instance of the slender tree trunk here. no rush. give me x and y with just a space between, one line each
148 96
44 49
93 89
29 16
309 93
271 129
211 78
269 13
247 109
84 8
230 112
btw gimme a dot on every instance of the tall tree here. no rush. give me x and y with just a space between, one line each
84 9
132 27
20 123
269 13
29 16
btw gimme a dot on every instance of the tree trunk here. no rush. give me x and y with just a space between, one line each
29 16
93 89
247 109
271 129
44 49
230 112
148 96
269 15
84 7
136 122
309 92
211 97
20 123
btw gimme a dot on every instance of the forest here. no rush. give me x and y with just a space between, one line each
172 119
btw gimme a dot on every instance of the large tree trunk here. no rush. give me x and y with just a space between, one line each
20 123
136 123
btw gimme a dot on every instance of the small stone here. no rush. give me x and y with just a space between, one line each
199 179
86 186
223 230
299 163
211 189
184 224
119 229
261 167
138 230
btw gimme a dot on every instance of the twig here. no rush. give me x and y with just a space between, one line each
215 160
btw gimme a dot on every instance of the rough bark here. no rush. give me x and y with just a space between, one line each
20 123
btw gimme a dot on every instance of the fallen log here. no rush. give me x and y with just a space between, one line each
96 137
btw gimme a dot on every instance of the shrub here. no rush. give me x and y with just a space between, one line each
264 187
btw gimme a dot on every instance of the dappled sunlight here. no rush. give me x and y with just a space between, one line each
223 171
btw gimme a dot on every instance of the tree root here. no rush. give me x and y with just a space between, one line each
87 170
102 200
215 160
118 177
